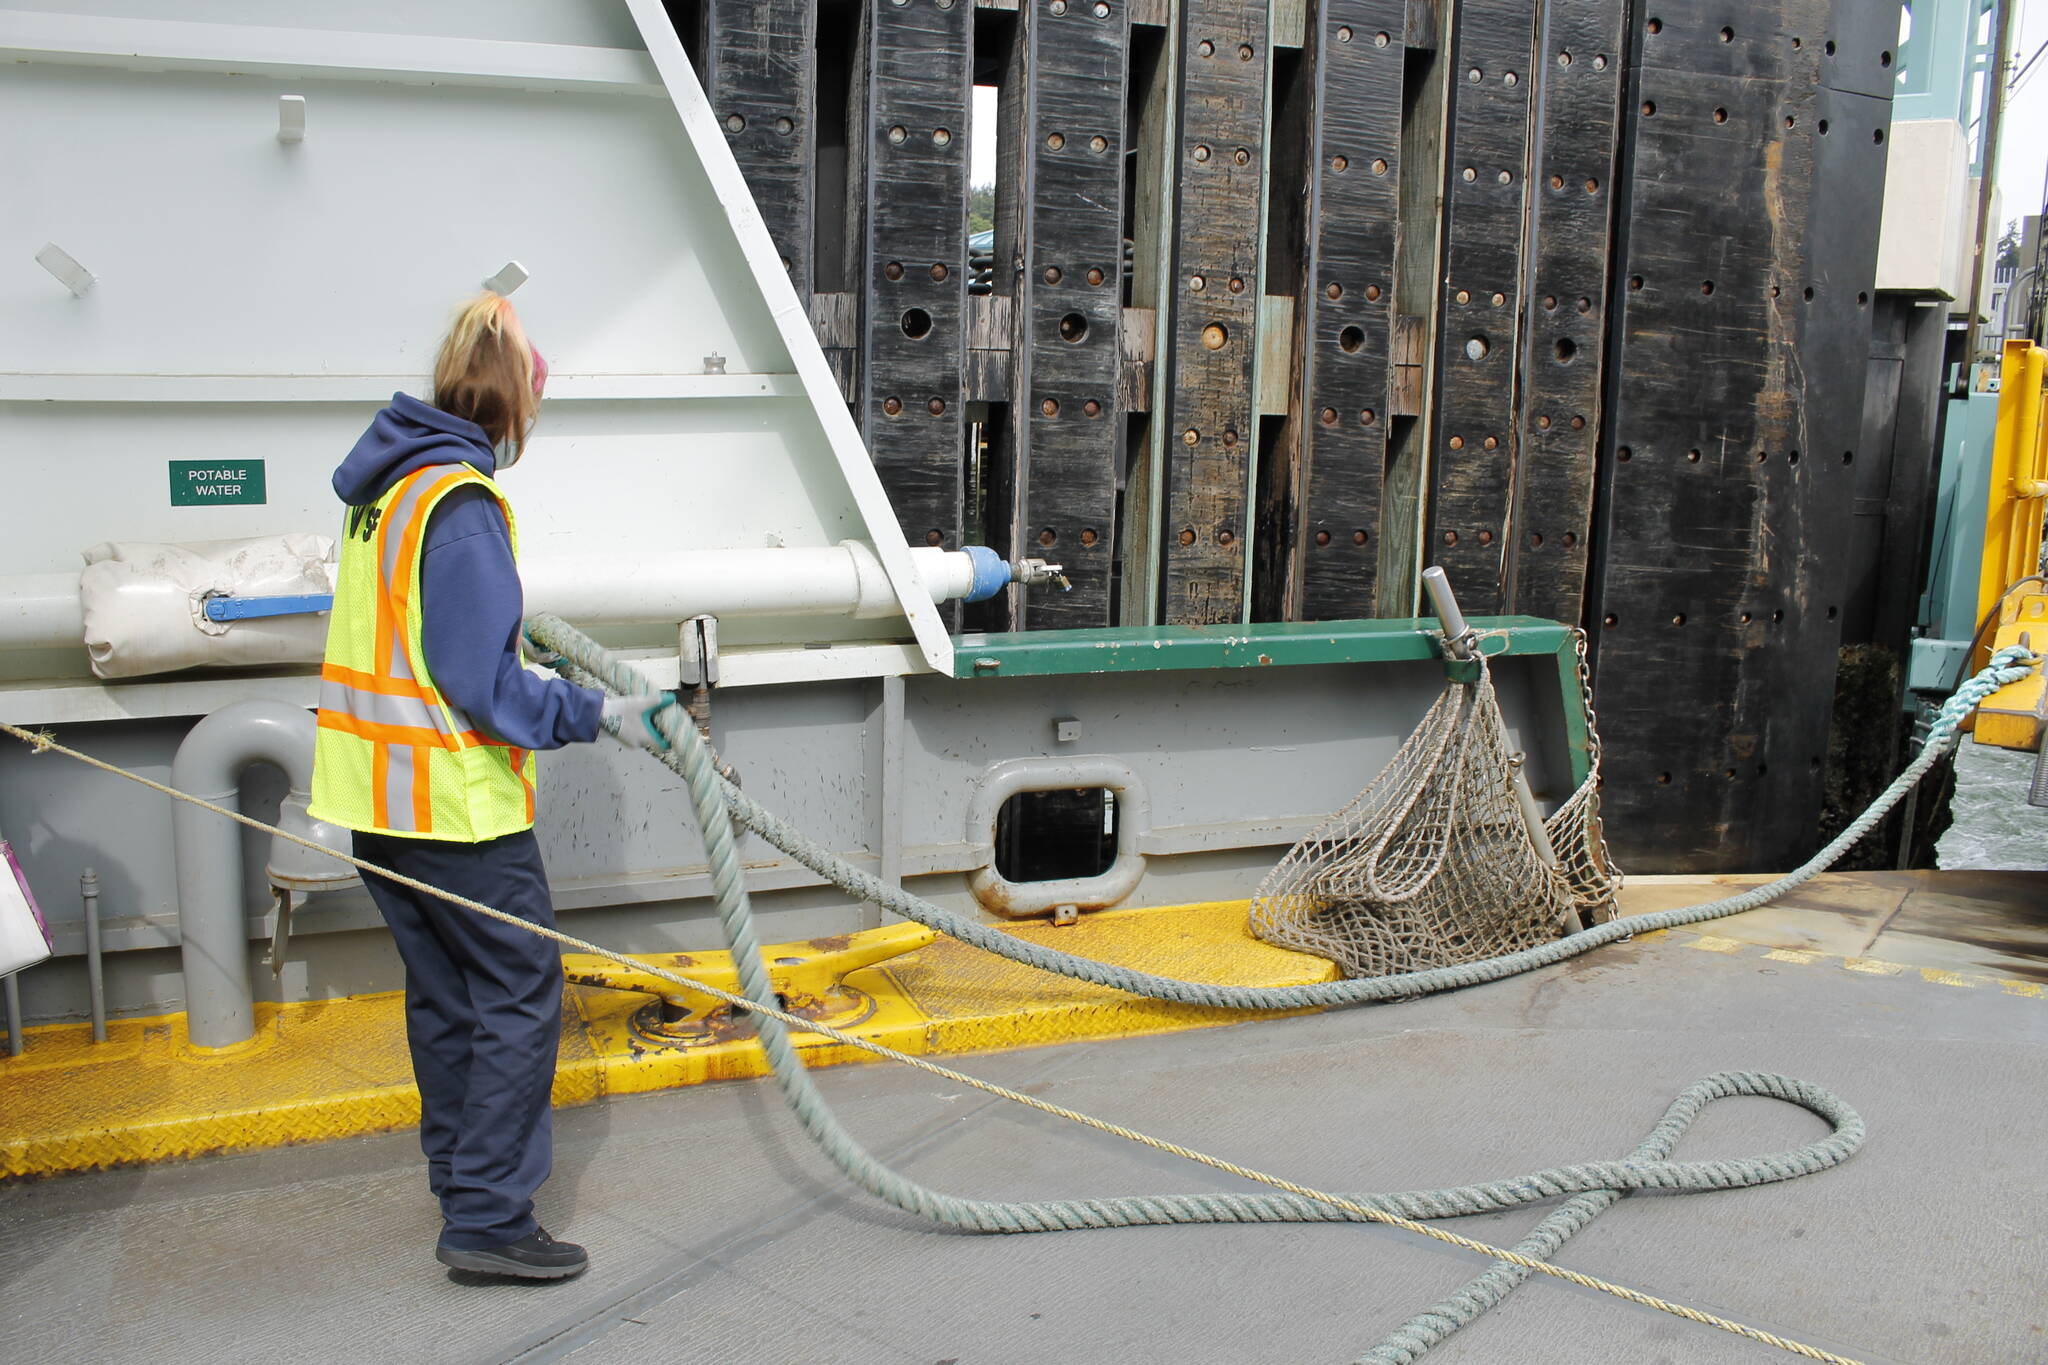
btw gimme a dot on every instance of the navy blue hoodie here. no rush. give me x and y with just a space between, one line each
470 602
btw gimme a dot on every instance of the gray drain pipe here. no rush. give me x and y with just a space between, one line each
215 940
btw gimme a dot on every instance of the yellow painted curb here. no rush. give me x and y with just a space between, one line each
340 1068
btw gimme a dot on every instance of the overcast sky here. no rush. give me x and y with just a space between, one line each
981 149
2023 153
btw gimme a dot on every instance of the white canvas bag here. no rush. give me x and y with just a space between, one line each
24 938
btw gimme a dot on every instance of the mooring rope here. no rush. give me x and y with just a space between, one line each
1311 1204
592 665
1591 1186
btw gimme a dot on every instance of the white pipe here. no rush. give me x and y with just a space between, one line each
948 574
839 580
40 610
43 610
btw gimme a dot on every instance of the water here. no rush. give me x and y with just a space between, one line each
1995 828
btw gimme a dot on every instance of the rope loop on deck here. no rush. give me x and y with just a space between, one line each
1589 1188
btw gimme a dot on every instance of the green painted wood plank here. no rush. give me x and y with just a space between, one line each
1137 649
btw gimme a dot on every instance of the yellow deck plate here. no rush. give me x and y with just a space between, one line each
339 1068
2015 715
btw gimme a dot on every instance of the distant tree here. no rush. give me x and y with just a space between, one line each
981 209
2009 245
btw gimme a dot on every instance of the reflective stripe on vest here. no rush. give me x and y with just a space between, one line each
392 755
392 704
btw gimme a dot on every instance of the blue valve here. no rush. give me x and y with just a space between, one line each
226 608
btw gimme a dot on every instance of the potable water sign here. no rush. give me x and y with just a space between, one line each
202 483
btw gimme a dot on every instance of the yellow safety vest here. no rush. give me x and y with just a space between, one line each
391 755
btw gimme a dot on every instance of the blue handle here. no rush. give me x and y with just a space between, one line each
247 608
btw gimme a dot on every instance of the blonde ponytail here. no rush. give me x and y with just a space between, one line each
484 372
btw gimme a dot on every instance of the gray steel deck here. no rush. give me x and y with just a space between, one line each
719 1235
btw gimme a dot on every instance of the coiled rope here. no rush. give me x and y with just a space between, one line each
1592 1186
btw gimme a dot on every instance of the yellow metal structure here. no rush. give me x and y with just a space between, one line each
810 977
340 1068
2015 716
2019 479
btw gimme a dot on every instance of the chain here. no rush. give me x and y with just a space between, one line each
1598 826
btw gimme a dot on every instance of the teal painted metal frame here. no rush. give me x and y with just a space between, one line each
1153 649
1944 66
1948 605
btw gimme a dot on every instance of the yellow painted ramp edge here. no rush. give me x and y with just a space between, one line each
340 1068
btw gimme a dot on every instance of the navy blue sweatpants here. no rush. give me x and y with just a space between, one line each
483 1013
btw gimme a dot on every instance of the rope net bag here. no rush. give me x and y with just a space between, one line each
1432 864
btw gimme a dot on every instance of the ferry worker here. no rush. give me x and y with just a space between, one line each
428 725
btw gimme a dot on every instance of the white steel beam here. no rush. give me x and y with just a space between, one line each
296 53
24 387
793 322
64 702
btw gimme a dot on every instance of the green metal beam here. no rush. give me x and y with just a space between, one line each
1140 649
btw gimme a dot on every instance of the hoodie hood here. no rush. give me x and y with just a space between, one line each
406 436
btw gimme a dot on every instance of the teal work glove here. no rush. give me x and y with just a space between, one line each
631 720
533 651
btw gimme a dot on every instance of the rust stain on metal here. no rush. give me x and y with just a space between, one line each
841 1007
